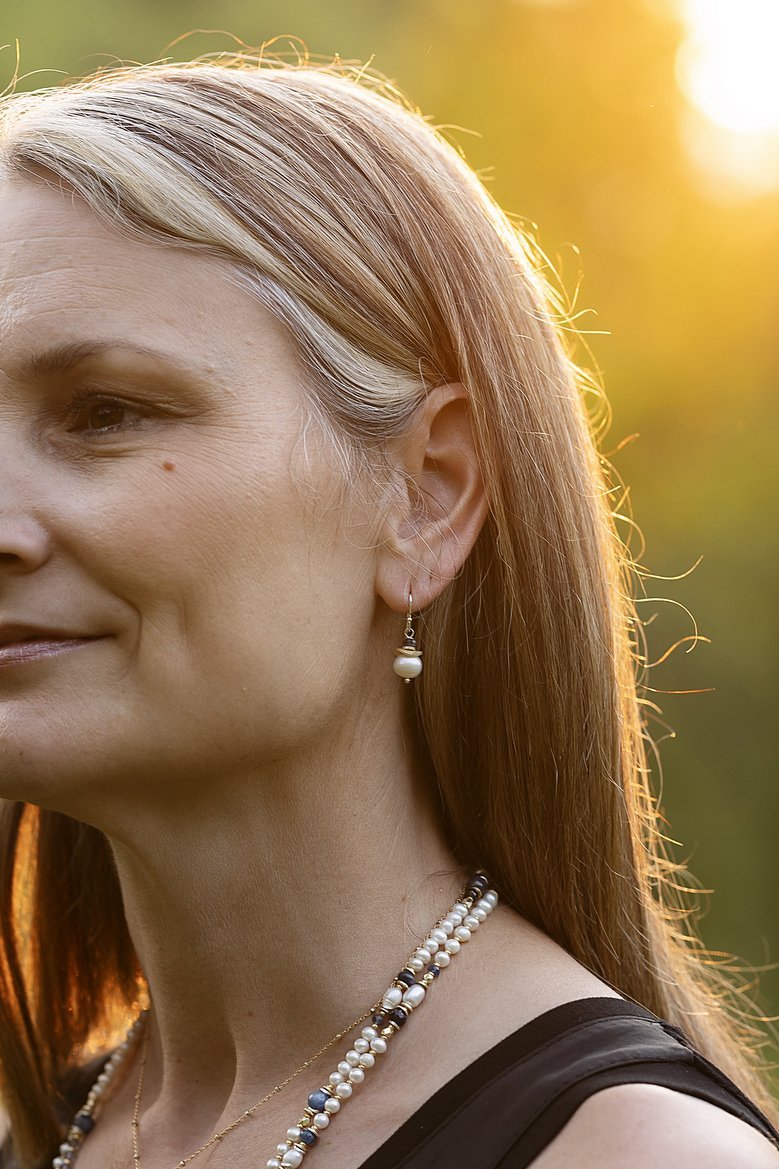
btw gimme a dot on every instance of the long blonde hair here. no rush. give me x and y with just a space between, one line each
354 221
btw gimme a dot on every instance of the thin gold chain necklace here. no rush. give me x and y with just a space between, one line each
244 1115
389 1015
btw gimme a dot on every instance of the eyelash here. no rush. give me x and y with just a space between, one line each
87 399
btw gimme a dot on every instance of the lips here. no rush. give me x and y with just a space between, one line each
16 633
19 646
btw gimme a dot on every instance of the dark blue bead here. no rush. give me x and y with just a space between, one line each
317 1100
479 881
434 970
83 1121
406 976
379 1019
308 1135
398 1016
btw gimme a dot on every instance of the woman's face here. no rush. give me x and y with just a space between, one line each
155 499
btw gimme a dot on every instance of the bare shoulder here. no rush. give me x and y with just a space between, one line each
645 1125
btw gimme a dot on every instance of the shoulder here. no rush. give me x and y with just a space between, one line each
646 1125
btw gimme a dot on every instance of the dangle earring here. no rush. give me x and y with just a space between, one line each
408 663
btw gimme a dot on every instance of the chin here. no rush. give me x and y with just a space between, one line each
47 778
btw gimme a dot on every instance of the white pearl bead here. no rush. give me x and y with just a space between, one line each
321 1119
332 1105
472 922
344 1068
407 666
336 1078
273 1164
432 944
462 933
460 908
423 954
293 1133
367 1060
443 958
452 946
369 1033
379 1045
281 1148
292 1158
414 995
486 905
440 935
492 897
343 1091
352 1057
455 917
356 1075
415 964
392 998
361 1045
479 914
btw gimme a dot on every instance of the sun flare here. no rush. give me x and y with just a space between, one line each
728 64
727 69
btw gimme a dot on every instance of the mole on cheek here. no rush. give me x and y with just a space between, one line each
168 466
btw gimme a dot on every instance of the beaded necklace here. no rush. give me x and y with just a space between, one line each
388 1015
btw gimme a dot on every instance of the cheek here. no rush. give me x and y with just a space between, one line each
246 594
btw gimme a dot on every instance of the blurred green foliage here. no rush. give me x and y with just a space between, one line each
572 114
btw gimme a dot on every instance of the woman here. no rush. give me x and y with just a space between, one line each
286 419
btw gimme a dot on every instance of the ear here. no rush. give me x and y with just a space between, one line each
440 507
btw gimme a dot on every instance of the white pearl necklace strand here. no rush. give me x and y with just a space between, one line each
406 992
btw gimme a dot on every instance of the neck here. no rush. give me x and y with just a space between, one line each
269 912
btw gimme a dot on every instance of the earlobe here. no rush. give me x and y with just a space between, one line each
435 524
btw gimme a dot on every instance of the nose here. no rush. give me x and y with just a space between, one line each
24 545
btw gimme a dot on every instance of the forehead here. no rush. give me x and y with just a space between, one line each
66 274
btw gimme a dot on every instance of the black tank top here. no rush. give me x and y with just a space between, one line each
502 1110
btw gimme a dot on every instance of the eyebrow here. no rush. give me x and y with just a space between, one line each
60 359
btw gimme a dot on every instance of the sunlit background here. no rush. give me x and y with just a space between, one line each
642 138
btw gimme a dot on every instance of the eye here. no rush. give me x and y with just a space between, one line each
91 414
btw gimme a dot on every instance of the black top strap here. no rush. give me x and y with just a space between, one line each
503 1109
